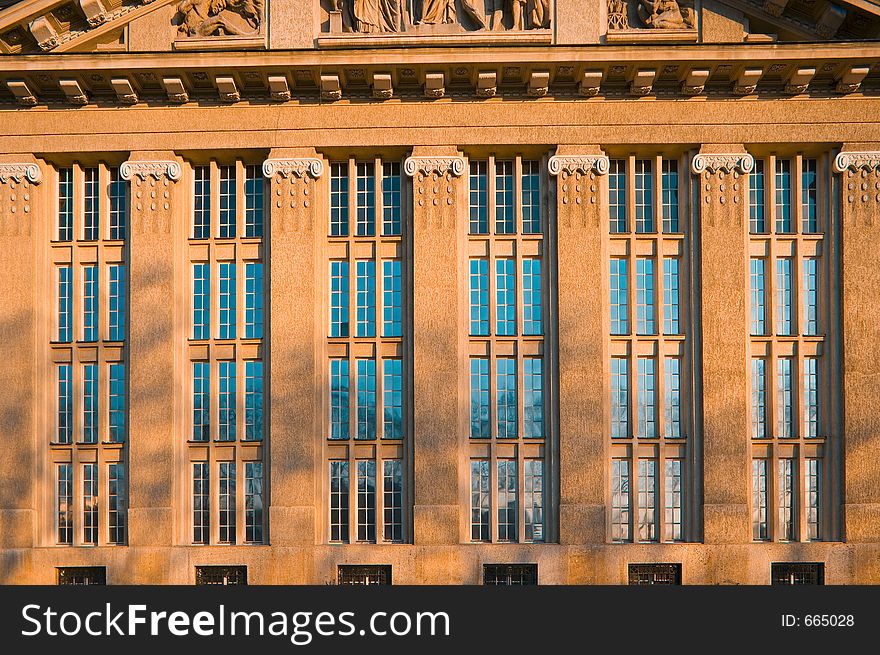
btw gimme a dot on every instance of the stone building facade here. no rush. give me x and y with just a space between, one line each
453 291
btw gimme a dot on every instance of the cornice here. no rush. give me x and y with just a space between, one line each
577 164
558 72
19 172
295 166
428 165
144 169
861 51
854 160
725 162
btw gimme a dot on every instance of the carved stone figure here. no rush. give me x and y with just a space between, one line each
220 17
617 18
666 15
439 12
372 16
541 15
377 16
518 11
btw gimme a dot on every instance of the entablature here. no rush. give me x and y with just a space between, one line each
612 72
56 26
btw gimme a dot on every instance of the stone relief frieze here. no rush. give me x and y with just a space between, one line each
651 15
437 16
205 18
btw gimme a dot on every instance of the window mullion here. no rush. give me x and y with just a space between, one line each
802 532
379 492
380 395
520 392
352 398
660 391
352 497
772 485
103 486
657 174
630 195
493 492
240 206
797 206
240 487
214 190
352 199
520 492
79 201
490 196
634 487
103 201
378 216
660 493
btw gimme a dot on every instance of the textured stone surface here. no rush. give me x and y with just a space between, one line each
153 372
722 314
582 321
20 202
438 233
293 282
860 236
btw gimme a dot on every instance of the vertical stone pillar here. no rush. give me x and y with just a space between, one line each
20 205
290 344
581 338
438 344
153 377
720 272
859 203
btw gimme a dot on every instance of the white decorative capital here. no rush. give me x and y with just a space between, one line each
144 169
298 167
577 164
867 160
428 165
30 172
743 162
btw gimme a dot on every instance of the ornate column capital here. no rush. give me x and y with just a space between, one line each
577 164
741 162
855 161
296 166
17 172
155 169
428 165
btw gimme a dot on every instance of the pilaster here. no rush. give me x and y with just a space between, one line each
723 322
437 243
859 168
294 293
152 337
21 202
581 297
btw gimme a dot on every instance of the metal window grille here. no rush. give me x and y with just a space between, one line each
221 575
364 574
82 575
510 574
797 573
652 574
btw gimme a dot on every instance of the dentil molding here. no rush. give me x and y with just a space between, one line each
715 162
17 172
857 160
578 164
144 169
298 167
428 165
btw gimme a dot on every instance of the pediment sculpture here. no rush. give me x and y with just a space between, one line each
201 18
377 16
